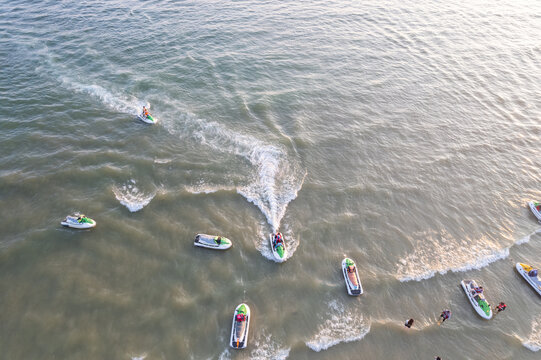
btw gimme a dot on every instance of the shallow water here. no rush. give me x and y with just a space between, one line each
402 134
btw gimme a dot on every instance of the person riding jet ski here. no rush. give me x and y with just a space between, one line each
145 112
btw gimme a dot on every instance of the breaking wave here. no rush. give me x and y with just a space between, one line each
342 326
131 197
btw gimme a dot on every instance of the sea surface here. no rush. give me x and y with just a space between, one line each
404 134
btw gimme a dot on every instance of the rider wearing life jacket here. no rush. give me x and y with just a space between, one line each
445 314
278 238
240 317
478 290
501 307
145 111
351 268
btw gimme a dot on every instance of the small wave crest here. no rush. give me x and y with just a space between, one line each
534 340
131 197
342 326
528 237
441 253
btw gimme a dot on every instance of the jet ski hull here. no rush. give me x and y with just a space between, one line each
534 210
72 222
147 119
353 289
240 340
523 270
209 242
466 285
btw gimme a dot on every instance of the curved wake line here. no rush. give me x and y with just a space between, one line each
130 196
342 327
422 265
533 342
276 179
475 264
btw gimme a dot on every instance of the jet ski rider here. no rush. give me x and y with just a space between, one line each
145 112
240 317
278 239
478 290
351 269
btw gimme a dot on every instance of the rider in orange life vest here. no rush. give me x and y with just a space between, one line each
145 111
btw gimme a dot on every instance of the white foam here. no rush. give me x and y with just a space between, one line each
162 161
139 357
204 188
442 253
341 326
131 197
225 355
277 178
527 238
122 103
534 340
266 347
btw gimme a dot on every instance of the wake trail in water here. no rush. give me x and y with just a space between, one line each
534 340
440 253
342 326
117 101
277 178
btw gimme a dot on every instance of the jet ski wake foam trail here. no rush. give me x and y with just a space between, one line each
277 177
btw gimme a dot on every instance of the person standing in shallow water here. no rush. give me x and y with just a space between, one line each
409 323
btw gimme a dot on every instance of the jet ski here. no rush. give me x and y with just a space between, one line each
149 119
351 277
477 299
78 221
240 327
212 242
531 276
278 246
536 209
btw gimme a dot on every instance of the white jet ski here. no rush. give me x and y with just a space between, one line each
351 277
531 276
149 119
212 242
536 209
477 299
278 246
240 327
78 221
